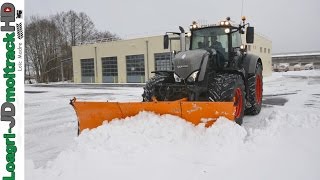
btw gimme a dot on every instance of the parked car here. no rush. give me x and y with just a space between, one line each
283 67
297 67
308 67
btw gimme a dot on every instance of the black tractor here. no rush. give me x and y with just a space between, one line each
216 67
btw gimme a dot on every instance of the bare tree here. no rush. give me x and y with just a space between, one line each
49 42
86 27
42 48
104 35
75 27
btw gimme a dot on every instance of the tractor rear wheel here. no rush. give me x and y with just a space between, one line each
255 84
229 87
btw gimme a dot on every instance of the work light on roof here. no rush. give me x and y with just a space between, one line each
225 23
194 25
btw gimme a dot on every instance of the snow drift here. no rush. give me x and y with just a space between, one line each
282 142
149 146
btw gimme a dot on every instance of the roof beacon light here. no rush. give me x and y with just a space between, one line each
243 18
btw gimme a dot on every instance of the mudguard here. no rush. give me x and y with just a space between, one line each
250 62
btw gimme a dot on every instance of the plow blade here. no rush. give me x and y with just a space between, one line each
93 114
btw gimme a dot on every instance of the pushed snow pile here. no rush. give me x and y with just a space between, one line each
303 73
149 146
148 129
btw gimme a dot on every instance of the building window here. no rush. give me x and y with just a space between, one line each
87 71
265 50
109 69
162 61
249 47
261 49
268 51
135 68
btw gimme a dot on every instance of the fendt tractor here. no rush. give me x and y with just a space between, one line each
215 76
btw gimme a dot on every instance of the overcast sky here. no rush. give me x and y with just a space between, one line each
292 25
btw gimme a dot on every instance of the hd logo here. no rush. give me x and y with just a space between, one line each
8 16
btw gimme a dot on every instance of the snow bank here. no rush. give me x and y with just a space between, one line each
283 147
149 146
302 73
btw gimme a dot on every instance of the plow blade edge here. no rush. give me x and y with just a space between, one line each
93 114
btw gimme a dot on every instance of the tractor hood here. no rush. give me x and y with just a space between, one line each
187 62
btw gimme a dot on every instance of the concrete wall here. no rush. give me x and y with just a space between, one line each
147 46
264 44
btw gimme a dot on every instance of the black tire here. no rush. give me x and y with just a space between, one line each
150 90
224 87
255 84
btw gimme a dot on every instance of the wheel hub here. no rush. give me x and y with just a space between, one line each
258 89
238 102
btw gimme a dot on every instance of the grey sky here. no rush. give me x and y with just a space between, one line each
292 25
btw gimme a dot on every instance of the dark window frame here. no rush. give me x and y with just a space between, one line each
137 63
162 61
87 67
109 66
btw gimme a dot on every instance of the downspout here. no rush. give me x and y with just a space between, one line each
147 63
96 64
170 51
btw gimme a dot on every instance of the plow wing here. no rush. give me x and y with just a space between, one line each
93 114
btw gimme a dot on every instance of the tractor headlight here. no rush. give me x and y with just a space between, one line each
193 76
176 78
227 30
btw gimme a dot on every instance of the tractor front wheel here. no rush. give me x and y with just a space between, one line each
255 84
151 90
228 88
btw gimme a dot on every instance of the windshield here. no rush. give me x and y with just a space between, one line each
214 37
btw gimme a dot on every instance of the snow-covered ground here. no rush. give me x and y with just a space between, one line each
282 142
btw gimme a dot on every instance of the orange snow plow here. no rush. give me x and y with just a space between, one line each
93 114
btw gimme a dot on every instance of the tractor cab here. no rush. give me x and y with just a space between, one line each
214 38
224 37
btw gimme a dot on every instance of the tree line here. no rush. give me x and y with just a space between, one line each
49 41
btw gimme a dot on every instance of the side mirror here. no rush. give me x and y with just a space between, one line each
166 41
250 35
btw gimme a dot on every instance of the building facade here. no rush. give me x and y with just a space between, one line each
133 60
